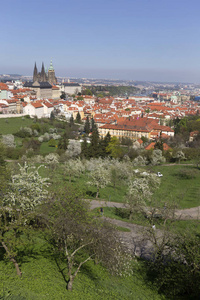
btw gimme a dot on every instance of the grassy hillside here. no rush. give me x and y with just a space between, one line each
184 191
12 125
43 277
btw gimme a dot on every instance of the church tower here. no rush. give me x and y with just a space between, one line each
43 77
51 75
35 73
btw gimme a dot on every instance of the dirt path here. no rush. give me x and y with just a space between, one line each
183 214
136 240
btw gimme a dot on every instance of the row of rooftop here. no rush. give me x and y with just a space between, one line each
134 117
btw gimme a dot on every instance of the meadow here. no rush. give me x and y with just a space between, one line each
183 191
12 125
44 277
44 274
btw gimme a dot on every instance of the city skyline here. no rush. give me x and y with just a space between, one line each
130 40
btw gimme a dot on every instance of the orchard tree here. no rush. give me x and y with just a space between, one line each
99 177
179 155
73 168
4 172
9 140
52 160
73 149
140 192
26 191
157 158
74 231
140 161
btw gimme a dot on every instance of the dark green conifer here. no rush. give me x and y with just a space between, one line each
94 147
87 126
78 118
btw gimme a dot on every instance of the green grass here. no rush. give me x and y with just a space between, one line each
185 192
12 125
136 219
43 279
124 229
193 226
45 149
179 225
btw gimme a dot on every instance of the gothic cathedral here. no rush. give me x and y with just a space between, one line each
44 76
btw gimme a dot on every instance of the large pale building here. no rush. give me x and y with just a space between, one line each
135 128
42 82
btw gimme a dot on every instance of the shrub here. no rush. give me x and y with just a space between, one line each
123 213
53 130
14 153
40 139
36 127
46 137
31 144
24 132
52 143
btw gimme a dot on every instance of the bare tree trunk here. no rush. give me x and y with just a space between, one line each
97 195
12 259
70 283
131 215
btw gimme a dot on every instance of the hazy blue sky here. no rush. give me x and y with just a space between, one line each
126 39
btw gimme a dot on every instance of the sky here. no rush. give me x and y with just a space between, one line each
155 40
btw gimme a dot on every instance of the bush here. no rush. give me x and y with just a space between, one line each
52 143
24 132
31 144
36 127
14 153
123 213
46 137
191 153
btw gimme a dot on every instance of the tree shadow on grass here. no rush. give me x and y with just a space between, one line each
91 194
2 253
85 269
33 252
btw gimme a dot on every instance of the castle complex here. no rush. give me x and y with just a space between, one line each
45 76
43 82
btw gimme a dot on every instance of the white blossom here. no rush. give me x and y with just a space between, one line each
73 149
8 140
27 189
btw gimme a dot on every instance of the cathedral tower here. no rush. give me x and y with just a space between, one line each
51 75
35 73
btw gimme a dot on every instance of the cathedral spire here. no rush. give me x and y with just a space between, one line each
43 74
35 73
